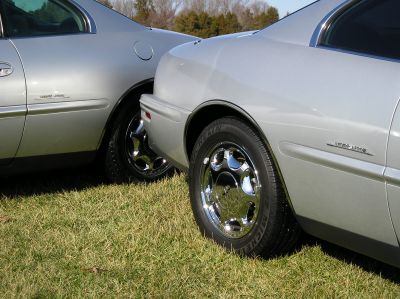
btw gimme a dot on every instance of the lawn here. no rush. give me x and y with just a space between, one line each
68 234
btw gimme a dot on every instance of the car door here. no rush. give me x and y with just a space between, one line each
329 124
392 172
12 101
56 40
357 87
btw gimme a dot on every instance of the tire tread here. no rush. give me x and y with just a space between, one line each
281 234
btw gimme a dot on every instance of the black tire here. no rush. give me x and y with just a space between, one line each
121 165
268 227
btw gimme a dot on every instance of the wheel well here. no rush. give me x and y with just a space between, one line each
131 97
203 118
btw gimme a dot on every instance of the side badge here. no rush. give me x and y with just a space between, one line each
55 96
350 147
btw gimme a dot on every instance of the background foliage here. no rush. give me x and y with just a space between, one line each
202 18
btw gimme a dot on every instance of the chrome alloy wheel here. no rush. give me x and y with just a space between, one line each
140 156
230 190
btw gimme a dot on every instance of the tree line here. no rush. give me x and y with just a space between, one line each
202 18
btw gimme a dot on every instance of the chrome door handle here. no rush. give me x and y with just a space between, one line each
5 69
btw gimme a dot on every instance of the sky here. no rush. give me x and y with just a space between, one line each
285 6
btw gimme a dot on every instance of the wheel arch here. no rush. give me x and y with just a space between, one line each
130 97
212 110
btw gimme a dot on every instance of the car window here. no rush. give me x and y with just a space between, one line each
370 27
23 18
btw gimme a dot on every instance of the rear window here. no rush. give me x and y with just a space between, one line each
370 27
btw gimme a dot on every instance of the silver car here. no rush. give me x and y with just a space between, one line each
294 127
71 75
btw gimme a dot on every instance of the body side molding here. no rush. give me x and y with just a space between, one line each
331 160
392 176
12 111
70 106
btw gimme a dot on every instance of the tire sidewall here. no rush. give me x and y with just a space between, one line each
233 131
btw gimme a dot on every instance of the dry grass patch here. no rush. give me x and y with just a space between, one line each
73 236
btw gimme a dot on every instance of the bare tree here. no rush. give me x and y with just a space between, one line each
105 2
126 7
217 7
164 12
258 7
197 6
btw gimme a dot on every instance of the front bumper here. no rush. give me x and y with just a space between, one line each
166 129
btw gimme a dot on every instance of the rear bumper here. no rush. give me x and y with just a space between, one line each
166 129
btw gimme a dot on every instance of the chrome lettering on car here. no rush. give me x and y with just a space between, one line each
53 96
350 147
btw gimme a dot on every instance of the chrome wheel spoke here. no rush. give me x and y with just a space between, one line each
136 143
232 162
230 190
146 160
141 157
140 129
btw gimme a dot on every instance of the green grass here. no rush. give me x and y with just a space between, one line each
70 235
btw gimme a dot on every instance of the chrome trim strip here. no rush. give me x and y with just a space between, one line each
339 162
327 21
12 111
71 106
91 25
1 27
392 176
